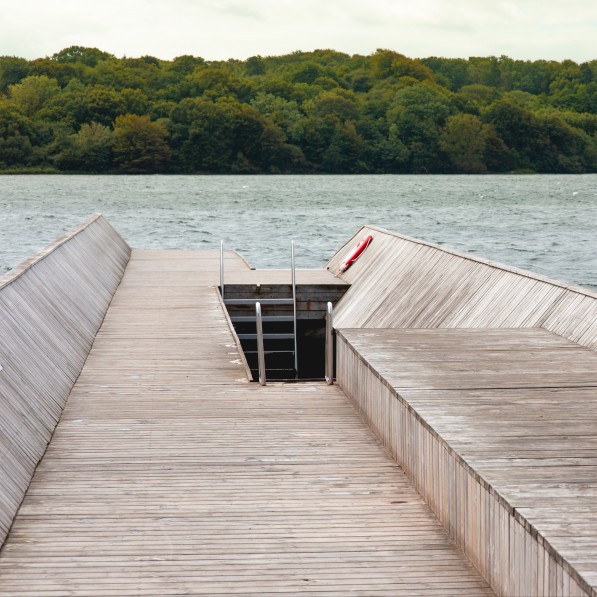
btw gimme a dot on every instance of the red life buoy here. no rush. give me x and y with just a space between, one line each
355 253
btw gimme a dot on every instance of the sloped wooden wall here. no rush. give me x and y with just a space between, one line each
51 307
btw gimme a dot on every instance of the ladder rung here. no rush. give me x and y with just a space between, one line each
286 301
266 336
269 370
264 318
269 352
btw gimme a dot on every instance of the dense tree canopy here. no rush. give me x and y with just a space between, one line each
85 110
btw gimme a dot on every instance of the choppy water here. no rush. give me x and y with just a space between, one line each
547 224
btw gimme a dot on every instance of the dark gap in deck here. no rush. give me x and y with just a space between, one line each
312 302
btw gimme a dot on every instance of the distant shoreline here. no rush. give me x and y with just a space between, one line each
84 110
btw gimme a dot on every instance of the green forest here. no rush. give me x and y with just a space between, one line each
85 110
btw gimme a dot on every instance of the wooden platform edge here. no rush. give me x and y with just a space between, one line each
494 536
51 308
450 251
26 265
241 352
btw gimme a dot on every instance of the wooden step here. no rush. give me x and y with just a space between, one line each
289 336
264 318
281 301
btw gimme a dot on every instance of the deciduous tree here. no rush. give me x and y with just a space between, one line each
32 93
90 149
463 139
140 145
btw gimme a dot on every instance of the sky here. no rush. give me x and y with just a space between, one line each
222 29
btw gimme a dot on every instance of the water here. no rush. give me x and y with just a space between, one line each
547 224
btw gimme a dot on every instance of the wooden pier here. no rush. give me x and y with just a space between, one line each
455 457
171 474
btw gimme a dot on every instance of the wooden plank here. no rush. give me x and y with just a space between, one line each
316 277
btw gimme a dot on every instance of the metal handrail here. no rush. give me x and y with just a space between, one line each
260 349
222 268
292 267
329 345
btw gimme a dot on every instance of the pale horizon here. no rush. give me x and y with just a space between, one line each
238 29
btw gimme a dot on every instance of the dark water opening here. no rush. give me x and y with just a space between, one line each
279 354
278 329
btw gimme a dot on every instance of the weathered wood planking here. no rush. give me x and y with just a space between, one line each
400 282
311 277
497 429
170 474
51 306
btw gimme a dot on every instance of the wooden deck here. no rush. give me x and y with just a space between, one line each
498 430
170 474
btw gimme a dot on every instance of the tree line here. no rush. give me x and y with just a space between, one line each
85 110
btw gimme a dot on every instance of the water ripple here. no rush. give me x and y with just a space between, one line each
546 224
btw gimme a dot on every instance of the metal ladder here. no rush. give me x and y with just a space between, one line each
274 346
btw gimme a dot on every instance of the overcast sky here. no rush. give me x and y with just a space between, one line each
221 29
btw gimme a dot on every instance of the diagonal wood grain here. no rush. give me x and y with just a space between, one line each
51 307
402 282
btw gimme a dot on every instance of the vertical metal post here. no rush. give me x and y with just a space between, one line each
329 345
222 268
292 267
260 350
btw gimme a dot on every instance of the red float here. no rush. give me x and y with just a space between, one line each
355 253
